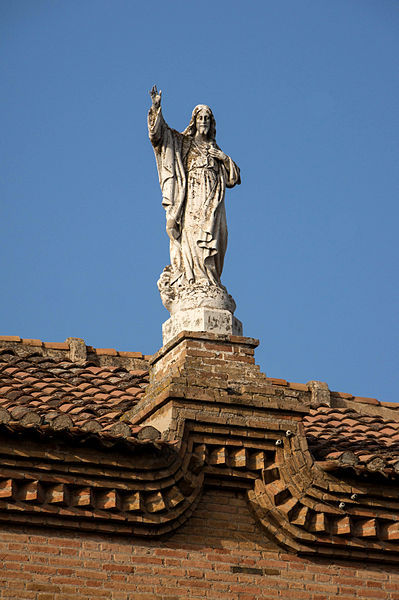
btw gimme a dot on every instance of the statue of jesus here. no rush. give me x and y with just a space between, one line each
193 175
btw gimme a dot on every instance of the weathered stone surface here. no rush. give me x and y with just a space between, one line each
193 175
77 350
320 392
201 319
184 297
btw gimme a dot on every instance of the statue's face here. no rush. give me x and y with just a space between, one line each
203 121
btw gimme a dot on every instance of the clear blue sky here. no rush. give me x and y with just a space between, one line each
305 95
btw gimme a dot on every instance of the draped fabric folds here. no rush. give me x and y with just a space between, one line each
193 185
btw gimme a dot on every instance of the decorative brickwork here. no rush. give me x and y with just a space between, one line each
201 479
219 554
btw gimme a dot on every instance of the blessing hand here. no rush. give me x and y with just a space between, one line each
216 153
155 97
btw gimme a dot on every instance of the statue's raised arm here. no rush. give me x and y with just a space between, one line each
193 174
155 97
156 123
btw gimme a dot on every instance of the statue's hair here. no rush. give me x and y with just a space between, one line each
192 127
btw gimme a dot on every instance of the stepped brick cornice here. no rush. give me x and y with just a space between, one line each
90 441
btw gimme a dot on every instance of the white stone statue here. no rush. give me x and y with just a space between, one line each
193 175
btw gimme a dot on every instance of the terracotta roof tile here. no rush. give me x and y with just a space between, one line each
331 431
342 395
106 387
115 393
366 400
111 415
302 387
100 396
31 342
56 345
94 369
275 381
133 390
66 395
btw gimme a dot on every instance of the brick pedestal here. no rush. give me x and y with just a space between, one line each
213 380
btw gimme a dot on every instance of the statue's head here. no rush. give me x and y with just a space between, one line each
202 120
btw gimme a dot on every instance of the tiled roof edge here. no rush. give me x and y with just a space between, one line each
66 346
341 395
112 352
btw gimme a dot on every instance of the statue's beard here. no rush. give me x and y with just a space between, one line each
203 130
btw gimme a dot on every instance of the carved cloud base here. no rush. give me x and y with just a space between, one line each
201 319
198 306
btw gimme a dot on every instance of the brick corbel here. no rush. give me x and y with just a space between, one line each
208 394
213 379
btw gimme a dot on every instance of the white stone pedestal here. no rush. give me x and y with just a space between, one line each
213 320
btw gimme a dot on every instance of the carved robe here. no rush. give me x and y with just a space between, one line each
193 185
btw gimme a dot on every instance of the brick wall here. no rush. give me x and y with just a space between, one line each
219 553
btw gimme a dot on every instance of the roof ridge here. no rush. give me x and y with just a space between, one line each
37 343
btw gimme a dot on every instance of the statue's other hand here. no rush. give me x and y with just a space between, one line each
216 153
155 96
